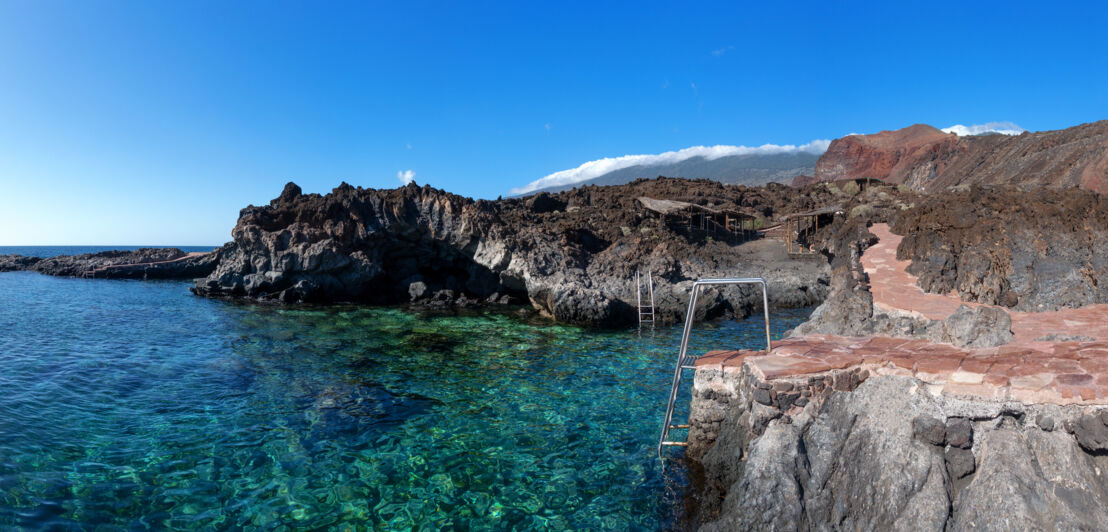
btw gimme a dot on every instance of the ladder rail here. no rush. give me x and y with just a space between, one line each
650 296
687 332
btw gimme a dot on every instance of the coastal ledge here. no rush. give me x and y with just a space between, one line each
864 447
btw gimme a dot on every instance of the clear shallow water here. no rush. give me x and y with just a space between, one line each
54 251
136 405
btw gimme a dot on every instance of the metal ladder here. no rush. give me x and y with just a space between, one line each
686 362
647 315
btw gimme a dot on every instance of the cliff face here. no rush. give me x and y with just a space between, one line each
887 454
571 255
925 158
892 156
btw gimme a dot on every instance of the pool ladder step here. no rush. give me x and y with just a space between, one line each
645 305
684 361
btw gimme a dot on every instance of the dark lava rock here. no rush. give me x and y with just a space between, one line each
959 433
145 263
929 429
1091 431
565 253
1046 422
1031 250
959 462
15 263
762 396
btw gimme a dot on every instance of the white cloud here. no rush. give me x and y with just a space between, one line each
547 126
409 145
407 176
1004 128
600 167
720 51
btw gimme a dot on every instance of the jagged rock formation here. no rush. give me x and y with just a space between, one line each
1031 251
145 263
886 454
572 255
927 159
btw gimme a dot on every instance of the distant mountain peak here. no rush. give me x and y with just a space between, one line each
729 164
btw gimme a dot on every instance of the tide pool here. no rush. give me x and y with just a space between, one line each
137 405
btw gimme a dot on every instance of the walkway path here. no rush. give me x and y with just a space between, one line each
894 288
1027 370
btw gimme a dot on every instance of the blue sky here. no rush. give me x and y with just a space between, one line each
155 122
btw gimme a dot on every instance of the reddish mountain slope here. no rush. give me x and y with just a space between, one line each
925 158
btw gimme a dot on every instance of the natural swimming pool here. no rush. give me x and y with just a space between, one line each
137 405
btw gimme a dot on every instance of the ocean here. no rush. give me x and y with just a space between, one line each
134 404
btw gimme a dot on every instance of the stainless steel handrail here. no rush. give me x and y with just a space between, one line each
681 356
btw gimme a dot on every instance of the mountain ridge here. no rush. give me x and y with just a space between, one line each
746 169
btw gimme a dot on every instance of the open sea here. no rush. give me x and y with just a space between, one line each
132 405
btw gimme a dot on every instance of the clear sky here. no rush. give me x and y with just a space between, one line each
155 122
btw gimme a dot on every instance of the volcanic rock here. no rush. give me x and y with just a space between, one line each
924 158
872 459
1028 250
572 255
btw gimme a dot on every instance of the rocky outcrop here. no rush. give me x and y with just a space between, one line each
927 159
571 255
1027 250
887 454
15 263
145 263
893 156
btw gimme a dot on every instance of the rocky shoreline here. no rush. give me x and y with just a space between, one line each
572 255
145 263
859 444
881 440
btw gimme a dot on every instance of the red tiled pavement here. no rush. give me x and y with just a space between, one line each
1024 370
894 288
1029 376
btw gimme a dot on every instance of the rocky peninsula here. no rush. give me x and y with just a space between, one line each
572 255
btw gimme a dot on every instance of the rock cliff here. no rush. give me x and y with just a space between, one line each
927 159
884 453
571 255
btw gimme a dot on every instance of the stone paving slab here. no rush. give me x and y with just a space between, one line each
1028 370
1066 373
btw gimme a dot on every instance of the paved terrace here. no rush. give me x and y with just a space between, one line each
1025 370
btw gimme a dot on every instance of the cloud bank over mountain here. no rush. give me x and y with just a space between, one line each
597 168
1003 128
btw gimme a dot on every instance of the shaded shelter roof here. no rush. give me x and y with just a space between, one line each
664 206
830 209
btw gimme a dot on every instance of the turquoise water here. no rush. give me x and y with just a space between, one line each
134 405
